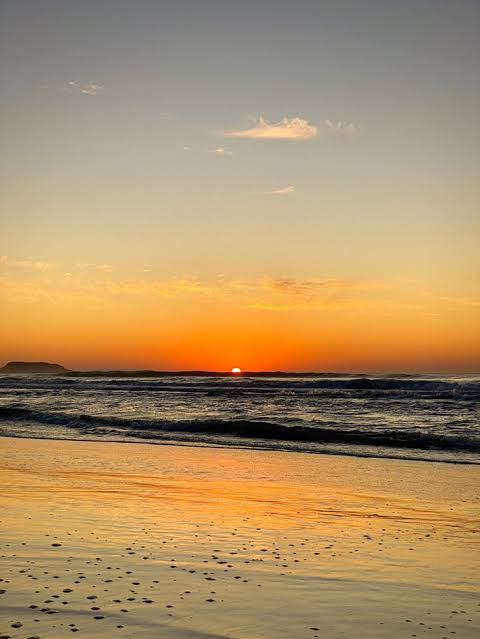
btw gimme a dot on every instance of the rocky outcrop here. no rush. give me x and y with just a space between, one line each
29 368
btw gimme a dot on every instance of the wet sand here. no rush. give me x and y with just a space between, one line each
130 540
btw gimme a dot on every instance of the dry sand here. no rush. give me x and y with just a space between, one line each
130 540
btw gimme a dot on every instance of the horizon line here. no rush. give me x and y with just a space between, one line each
212 373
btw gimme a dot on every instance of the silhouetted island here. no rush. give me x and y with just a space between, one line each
29 368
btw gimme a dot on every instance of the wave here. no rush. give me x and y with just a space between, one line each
366 386
248 429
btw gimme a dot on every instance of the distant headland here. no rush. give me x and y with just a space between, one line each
30 368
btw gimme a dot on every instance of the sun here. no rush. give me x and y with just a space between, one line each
236 370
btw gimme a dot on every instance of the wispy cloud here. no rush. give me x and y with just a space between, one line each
29 263
291 129
286 190
337 126
87 88
291 294
37 265
47 265
461 302
105 268
89 287
292 286
221 152
189 285
262 293
286 129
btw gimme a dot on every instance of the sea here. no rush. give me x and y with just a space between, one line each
428 417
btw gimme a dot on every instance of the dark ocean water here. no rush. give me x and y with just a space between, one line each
404 416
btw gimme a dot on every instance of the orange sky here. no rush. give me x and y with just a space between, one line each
257 325
292 189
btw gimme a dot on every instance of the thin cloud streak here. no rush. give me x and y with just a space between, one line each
293 286
105 268
28 264
86 88
286 190
221 152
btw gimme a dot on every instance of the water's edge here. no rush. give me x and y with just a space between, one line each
240 446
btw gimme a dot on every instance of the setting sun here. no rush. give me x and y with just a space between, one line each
236 370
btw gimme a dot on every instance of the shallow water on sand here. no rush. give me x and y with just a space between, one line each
128 540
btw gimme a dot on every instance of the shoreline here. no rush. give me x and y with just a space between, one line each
212 445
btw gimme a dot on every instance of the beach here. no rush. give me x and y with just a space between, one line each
131 540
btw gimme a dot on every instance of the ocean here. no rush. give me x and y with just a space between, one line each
430 418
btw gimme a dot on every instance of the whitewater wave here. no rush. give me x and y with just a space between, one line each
248 429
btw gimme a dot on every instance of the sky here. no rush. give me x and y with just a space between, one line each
269 185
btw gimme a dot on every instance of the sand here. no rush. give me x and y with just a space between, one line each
129 540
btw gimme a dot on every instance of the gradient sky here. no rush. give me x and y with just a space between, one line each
257 184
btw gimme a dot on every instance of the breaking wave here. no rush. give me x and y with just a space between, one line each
248 429
221 385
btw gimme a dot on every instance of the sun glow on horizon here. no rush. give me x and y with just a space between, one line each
236 371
